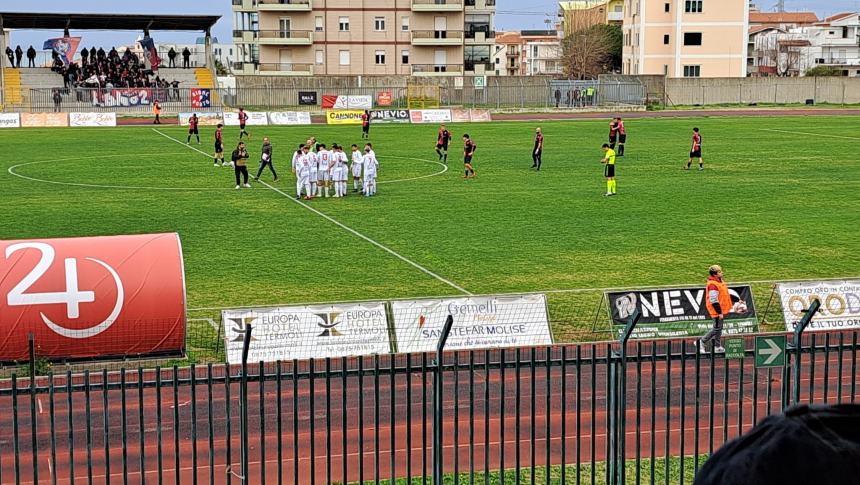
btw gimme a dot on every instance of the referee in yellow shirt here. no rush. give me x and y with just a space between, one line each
609 170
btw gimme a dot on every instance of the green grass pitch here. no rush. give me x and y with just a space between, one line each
780 204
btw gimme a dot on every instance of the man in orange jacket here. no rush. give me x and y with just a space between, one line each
156 110
719 304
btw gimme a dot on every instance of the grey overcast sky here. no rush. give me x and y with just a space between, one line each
512 15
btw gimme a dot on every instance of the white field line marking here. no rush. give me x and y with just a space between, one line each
12 171
810 134
341 225
444 169
212 323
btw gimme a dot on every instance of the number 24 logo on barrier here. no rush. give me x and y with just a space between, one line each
72 297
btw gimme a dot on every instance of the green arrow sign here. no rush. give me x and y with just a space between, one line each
770 351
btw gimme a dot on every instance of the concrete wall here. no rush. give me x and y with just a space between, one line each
770 90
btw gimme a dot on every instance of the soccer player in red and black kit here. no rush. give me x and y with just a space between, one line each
219 145
243 119
192 129
468 152
365 125
442 143
613 133
622 135
696 151
537 153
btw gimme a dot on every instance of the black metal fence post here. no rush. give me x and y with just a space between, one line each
437 402
243 405
618 403
797 347
33 426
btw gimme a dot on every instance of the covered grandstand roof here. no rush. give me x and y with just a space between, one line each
96 21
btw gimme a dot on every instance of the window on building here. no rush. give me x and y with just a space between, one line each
477 23
474 55
692 38
320 57
404 56
318 23
404 24
344 58
380 58
379 24
534 51
693 6
666 39
692 71
343 24
668 6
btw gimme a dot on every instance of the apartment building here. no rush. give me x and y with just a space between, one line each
509 55
527 53
364 37
833 42
686 38
581 14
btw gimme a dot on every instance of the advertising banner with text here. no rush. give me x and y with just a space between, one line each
343 117
92 297
479 322
390 116
92 119
290 118
307 332
254 118
430 115
840 304
681 312
10 120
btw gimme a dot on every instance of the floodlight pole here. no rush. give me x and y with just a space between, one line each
437 403
798 331
2 73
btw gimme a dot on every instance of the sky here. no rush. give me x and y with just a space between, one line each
511 15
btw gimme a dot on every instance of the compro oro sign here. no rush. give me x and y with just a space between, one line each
92 297
680 312
840 304
479 322
307 332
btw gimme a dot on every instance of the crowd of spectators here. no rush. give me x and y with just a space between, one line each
110 70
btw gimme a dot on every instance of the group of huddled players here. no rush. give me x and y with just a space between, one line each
318 169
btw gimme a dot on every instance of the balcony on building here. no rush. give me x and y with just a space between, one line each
437 5
274 37
437 69
273 69
437 37
283 5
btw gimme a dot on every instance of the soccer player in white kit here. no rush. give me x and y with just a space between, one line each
337 170
357 164
371 166
313 159
302 169
323 172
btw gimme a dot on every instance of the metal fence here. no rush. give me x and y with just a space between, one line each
561 414
496 94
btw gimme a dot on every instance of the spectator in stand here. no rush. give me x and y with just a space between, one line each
175 85
171 55
58 99
113 54
11 55
31 57
101 54
92 54
557 97
186 58
85 54
19 54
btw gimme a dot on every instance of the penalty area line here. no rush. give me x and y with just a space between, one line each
339 224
